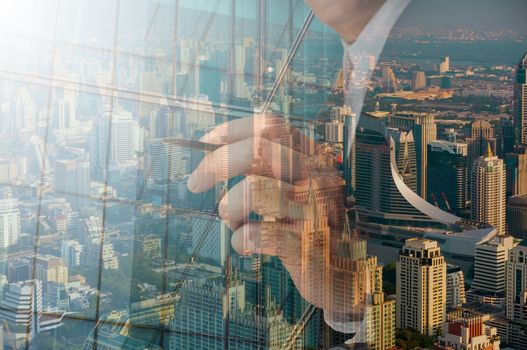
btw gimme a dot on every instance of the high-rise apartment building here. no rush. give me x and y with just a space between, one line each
9 222
71 253
481 136
520 102
421 286
488 196
49 268
517 216
448 175
455 287
424 131
334 132
489 282
91 256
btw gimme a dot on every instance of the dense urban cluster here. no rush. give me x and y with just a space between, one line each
102 245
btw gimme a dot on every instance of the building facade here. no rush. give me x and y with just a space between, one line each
490 263
421 287
517 216
520 104
516 300
448 175
488 202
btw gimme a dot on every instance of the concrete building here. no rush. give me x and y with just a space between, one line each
334 132
71 253
91 256
516 165
455 287
72 180
489 282
421 287
444 66
49 268
353 272
516 299
465 329
488 202
447 171
21 309
520 105
9 222
481 136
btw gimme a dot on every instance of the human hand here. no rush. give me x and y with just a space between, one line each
346 17
290 182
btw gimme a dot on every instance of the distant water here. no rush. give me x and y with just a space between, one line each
491 52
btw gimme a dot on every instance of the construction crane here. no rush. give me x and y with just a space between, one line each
446 202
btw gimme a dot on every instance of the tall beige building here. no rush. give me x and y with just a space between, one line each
488 192
481 136
418 81
421 286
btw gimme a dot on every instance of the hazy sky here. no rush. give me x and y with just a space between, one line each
478 14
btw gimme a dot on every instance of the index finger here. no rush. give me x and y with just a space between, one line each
240 129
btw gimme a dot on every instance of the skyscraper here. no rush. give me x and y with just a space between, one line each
353 275
120 132
72 180
425 131
504 137
9 222
488 191
21 308
455 287
447 175
517 216
165 161
516 166
516 299
349 152
421 287
490 262
481 136
520 102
